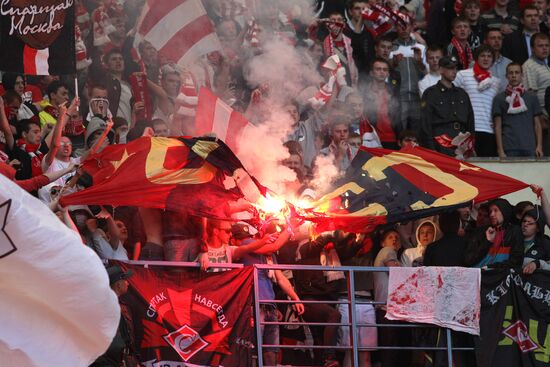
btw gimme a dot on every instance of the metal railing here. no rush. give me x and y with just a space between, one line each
351 302
352 322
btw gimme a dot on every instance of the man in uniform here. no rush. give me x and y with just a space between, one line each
446 109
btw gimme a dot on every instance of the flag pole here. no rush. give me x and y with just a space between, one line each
76 89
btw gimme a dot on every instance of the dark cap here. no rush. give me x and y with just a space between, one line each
448 62
116 273
240 231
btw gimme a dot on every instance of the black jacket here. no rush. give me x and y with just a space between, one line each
479 246
313 283
445 111
515 48
450 250
363 48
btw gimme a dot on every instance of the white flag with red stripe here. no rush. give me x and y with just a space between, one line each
35 62
179 29
215 116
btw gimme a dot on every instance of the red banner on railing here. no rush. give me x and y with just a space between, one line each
184 318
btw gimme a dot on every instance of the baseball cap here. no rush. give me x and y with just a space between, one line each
240 231
448 62
116 273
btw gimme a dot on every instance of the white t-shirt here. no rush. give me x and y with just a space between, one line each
220 255
411 254
104 249
428 81
59 165
124 106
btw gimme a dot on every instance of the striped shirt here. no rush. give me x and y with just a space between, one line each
482 102
491 20
536 77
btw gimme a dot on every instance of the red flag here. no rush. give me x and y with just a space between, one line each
166 173
215 116
179 29
390 186
190 317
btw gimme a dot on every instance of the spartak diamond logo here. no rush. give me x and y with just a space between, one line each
186 342
519 333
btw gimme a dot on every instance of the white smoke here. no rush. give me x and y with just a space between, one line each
324 174
287 70
261 151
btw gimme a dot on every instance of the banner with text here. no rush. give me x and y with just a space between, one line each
515 315
188 318
37 37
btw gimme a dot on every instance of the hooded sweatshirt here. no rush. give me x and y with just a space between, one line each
96 124
506 250
416 253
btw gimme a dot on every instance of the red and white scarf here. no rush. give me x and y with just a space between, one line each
74 128
464 54
33 150
516 104
483 77
337 77
252 32
369 137
329 50
188 97
383 18
53 111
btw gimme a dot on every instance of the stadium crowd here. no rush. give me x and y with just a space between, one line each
465 78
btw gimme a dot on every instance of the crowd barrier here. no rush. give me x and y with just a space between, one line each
350 272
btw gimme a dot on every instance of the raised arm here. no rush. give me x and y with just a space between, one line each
539 191
62 172
53 139
274 246
112 229
251 247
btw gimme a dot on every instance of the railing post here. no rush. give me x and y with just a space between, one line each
259 340
449 348
352 318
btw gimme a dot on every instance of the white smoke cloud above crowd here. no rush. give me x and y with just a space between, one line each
288 71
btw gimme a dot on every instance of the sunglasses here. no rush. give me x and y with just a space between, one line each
226 230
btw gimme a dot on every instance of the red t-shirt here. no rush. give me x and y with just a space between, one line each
383 121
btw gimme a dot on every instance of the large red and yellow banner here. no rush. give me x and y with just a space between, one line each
385 186
166 173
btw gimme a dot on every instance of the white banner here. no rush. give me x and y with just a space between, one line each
56 306
443 296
